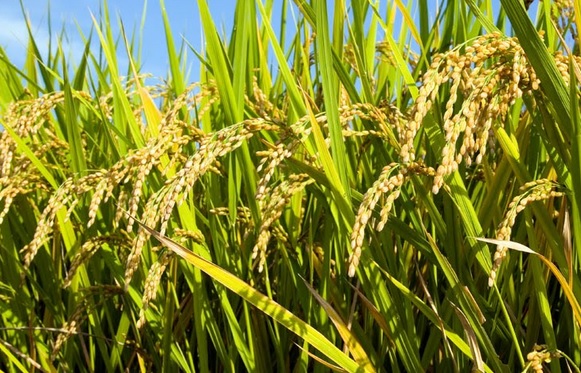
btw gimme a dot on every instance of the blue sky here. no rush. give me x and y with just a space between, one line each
183 15
74 14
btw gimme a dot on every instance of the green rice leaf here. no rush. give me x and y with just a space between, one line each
263 303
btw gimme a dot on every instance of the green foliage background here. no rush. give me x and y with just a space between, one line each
324 194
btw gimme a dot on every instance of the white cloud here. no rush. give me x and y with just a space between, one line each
14 39
14 34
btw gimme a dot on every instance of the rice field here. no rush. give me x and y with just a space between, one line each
390 189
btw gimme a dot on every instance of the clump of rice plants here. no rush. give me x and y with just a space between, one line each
329 214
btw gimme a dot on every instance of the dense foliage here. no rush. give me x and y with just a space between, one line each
347 198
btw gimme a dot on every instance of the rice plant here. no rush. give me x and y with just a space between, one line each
378 192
